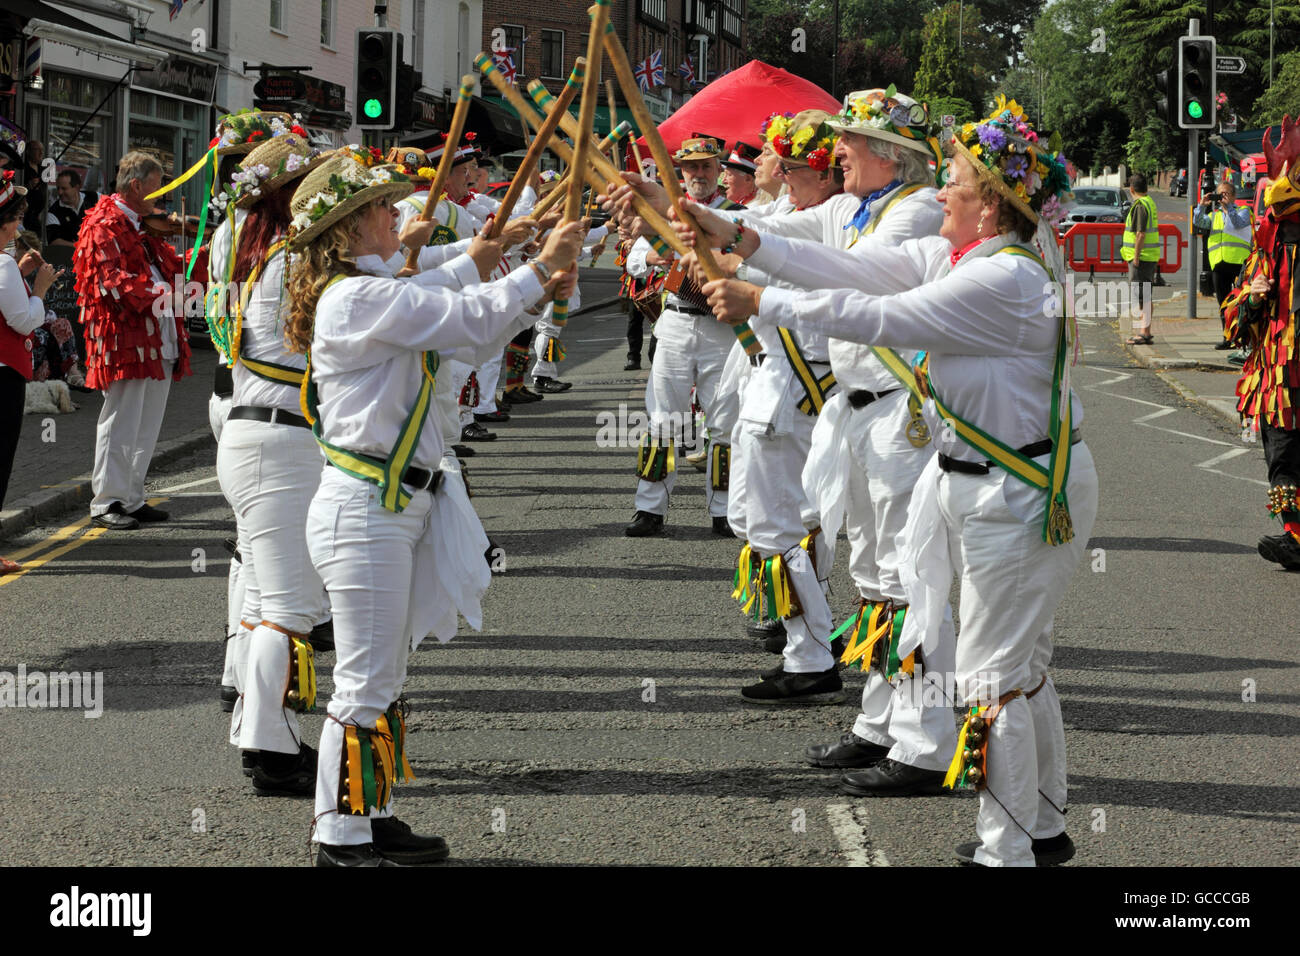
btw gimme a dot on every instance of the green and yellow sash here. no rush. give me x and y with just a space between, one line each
387 474
271 371
814 388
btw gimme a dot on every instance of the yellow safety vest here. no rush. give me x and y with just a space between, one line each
1227 244
1150 240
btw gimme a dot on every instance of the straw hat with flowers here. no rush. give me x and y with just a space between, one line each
272 165
804 137
336 188
244 131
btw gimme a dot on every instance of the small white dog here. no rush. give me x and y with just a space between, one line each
50 397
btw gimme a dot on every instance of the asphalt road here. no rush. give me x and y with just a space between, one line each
539 740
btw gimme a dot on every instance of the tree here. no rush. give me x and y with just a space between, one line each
1283 97
953 68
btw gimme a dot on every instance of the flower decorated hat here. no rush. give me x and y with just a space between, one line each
272 165
891 116
805 137
1005 149
244 131
410 160
337 187
698 148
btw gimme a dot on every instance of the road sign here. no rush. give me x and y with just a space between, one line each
1229 65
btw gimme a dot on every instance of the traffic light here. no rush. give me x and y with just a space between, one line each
1167 100
409 80
1196 86
378 54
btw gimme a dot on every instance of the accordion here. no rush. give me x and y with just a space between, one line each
679 283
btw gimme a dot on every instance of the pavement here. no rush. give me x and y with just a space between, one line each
596 718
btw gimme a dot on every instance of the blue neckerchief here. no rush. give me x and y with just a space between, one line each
863 214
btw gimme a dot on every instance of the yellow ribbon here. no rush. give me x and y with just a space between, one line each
211 154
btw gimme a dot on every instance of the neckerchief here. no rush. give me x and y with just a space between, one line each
957 254
863 214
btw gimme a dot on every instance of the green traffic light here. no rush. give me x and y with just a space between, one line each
373 108
1194 109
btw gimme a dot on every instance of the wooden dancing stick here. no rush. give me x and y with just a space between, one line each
534 154
560 189
587 111
632 93
448 158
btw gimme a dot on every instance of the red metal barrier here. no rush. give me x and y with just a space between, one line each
1094 247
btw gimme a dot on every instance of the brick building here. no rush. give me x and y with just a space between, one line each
548 37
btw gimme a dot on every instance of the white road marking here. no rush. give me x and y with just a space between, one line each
852 837
188 484
1233 453
1159 414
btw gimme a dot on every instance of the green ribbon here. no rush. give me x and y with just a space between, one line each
209 174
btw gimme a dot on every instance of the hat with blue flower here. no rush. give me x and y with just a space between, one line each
889 115
1006 150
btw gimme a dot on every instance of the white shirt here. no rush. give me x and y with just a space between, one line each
820 264
165 291
990 325
22 312
369 337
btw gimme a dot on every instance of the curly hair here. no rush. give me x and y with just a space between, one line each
311 270
1010 219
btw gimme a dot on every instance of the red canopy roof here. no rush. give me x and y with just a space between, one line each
735 106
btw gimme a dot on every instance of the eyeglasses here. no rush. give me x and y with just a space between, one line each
952 185
787 170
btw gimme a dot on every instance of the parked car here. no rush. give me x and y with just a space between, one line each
1178 185
1097 204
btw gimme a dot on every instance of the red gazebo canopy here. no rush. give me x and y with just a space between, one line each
734 106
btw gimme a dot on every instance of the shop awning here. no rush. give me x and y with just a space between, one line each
36 10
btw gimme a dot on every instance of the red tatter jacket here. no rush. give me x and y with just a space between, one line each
117 293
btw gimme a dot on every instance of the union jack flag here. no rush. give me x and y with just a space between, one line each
176 8
687 71
650 72
506 64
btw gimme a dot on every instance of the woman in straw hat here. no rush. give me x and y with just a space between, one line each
269 467
382 520
1011 497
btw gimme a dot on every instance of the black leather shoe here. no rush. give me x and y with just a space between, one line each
889 778
115 519
632 366
463 451
148 513
849 751
644 524
765 629
321 637
773 672
1050 851
550 386
228 697
774 643
816 688
1281 549
395 841
495 418
298 779
359 854
520 395
476 432
721 527
503 403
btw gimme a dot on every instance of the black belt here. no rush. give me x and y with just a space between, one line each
689 309
1032 450
861 398
417 478
259 413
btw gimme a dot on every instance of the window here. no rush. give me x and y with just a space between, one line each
515 40
327 23
656 11
553 54
731 19
277 15
417 55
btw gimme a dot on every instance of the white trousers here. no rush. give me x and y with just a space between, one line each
128 428
692 351
541 367
218 409
270 473
366 556
488 375
1011 585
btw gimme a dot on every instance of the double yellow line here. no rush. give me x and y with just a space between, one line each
71 539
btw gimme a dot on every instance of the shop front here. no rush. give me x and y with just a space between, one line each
170 117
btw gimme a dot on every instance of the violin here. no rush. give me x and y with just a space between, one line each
164 225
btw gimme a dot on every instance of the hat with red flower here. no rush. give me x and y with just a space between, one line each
804 137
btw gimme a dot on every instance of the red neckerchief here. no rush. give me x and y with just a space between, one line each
747 199
957 254
463 202
820 201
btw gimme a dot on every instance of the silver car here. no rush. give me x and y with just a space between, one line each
1108 204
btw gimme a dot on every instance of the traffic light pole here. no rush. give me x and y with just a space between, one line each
1193 183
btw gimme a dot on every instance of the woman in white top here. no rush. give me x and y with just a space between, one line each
983 304
394 545
21 313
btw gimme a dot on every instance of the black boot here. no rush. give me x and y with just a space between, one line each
765 629
644 524
395 841
818 688
285 775
357 854
849 751
889 778
1281 549
1049 851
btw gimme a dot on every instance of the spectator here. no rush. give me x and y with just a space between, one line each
37 190
1141 250
1227 228
63 221
21 311
54 346
136 341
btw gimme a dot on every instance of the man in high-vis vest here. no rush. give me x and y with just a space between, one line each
1141 249
1228 241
